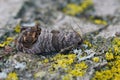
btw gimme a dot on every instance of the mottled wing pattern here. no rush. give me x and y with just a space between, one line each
40 40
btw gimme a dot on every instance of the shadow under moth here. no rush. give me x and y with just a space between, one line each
37 40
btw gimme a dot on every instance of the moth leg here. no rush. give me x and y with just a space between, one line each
66 50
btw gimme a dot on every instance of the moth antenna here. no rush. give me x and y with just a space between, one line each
81 32
37 24
76 30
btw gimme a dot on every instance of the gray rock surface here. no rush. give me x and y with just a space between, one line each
106 7
8 10
110 31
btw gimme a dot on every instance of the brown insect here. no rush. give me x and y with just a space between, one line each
38 40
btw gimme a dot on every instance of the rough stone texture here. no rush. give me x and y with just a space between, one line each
110 31
9 9
79 25
106 7
55 19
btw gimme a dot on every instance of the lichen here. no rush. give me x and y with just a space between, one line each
109 56
86 42
98 21
12 76
68 65
7 41
74 9
17 28
112 70
96 59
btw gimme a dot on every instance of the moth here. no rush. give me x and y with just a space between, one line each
39 40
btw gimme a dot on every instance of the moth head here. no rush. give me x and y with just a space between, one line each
30 36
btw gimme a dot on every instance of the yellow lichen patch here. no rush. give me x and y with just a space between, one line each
68 64
96 59
116 46
12 76
112 70
2 44
109 56
74 9
77 72
116 49
98 21
116 41
79 69
103 75
67 77
7 41
81 65
10 39
39 74
63 60
17 28
87 43
45 60
110 74
117 77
